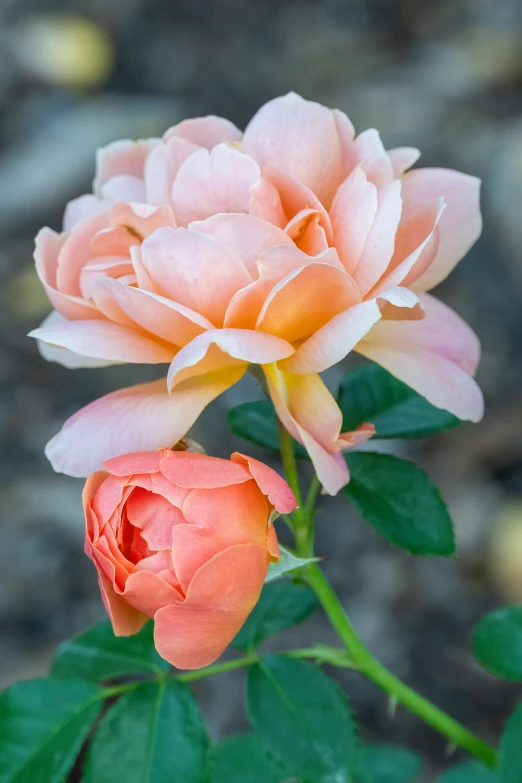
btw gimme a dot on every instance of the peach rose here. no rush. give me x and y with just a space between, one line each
184 539
297 243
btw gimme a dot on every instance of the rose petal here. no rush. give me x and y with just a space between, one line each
269 482
205 131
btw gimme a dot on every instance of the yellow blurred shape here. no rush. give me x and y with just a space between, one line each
505 552
63 49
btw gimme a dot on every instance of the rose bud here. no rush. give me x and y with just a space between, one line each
185 539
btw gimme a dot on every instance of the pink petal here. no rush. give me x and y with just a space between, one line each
197 471
124 188
211 182
301 136
195 270
265 203
305 300
105 266
330 344
371 154
308 411
75 253
205 131
352 214
140 418
226 348
403 158
461 223
269 482
220 597
104 340
306 231
380 243
82 207
436 357
69 359
416 245
296 196
141 219
121 157
247 235
170 321
161 167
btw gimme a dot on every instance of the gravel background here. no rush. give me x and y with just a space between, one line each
443 76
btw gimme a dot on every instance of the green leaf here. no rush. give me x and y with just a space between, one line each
153 734
43 724
371 394
281 605
468 772
257 423
389 764
510 766
497 642
98 655
287 563
303 718
241 759
398 499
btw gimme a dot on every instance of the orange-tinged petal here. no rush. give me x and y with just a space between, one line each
192 547
76 251
237 513
197 471
125 620
352 214
269 482
305 300
221 595
265 203
148 592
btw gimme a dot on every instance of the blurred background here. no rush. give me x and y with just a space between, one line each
442 76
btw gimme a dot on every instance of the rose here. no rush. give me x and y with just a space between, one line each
185 539
335 255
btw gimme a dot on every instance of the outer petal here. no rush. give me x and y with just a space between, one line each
211 182
76 251
170 321
195 270
436 357
197 471
269 482
48 245
461 223
138 462
226 347
124 188
69 359
308 411
140 418
246 234
125 620
306 299
330 344
104 340
205 131
301 136
147 592
237 513
220 597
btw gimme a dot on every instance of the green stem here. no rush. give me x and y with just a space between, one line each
217 668
378 674
362 659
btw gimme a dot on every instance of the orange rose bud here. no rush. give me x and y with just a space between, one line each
185 539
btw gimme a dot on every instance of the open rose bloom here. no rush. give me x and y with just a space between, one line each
185 539
287 247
